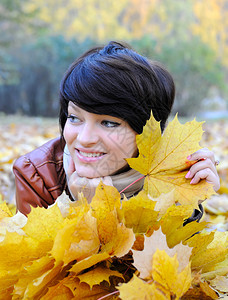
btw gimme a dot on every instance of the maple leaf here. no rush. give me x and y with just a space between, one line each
59 291
17 250
77 240
39 285
104 204
163 159
121 243
89 262
139 212
213 260
115 238
165 273
4 211
43 227
79 290
12 224
138 289
31 272
97 275
143 260
172 224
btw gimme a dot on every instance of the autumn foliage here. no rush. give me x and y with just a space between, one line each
115 248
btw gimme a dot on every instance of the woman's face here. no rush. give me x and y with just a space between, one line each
98 144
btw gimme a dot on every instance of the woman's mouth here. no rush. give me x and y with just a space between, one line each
86 156
91 154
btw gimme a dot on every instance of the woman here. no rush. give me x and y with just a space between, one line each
106 97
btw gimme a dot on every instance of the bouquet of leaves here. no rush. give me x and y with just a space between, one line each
113 249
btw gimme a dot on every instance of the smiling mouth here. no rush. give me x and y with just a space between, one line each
91 154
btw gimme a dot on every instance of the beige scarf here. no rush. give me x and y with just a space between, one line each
120 181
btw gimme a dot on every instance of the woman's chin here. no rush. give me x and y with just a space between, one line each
89 174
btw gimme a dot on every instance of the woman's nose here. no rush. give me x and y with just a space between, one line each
88 135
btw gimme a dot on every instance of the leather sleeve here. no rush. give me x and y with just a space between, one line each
39 177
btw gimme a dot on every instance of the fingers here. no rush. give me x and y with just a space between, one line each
201 165
204 168
202 153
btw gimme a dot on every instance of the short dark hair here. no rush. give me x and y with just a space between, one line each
117 81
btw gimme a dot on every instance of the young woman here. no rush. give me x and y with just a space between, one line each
106 97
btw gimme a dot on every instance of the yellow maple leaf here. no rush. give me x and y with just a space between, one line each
165 273
143 260
39 285
103 205
163 202
139 212
17 250
97 275
172 224
7 281
82 290
121 243
77 240
219 269
163 159
137 288
216 255
43 225
89 262
12 224
31 272
58 292
4 211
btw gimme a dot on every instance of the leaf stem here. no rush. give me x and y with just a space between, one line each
103 297
132 183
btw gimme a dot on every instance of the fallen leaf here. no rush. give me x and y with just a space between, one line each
103 206
163 159
165 273
97 275
138 289
139 212
143 260
220 283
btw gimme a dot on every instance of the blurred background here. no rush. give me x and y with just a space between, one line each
40 38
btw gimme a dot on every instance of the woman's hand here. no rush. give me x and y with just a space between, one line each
85 185
204 168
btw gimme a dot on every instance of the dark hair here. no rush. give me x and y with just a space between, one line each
115 80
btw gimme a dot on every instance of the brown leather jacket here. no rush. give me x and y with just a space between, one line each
41 179
39 176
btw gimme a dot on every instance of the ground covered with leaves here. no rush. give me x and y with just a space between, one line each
112 248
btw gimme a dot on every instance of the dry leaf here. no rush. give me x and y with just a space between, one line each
165 273
76 240
220 283
201 291
143 260
164 160
139 289
104 205
97 275
139 212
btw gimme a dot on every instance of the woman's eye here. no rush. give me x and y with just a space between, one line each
110 124
73 119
